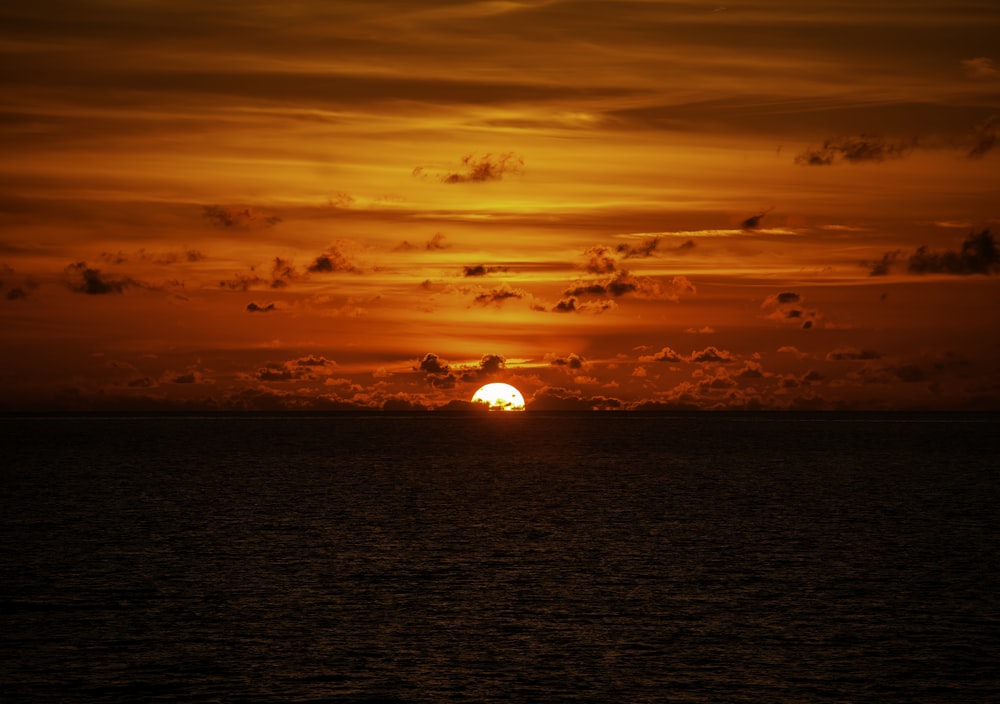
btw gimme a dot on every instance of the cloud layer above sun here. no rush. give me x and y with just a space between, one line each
386 205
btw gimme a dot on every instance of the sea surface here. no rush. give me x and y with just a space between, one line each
500 557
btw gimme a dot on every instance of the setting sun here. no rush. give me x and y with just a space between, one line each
499 397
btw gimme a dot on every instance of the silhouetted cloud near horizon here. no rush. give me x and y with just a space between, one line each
482 270
83 279
646 249
789 306
984 137
238 217
753 222
854 150
851 354
331 261
498 295
710 354
486 168
571 361
255 308
978 254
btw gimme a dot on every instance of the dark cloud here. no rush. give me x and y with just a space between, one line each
481 270
492 363
242 282
984 137
646 249
282 273
600 260
666 354
486 168
623 283
255 308
854 150
314 362
783 298
978 255
332 260
882 266
437 371
498 295
293 370
188 378
436 242
554 398
239 217
708 355
16 293
570 361
432 364
572 305
711 354
620 284
787 306
753 222
83 279
851 354
277 372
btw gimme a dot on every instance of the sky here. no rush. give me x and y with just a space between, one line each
759 204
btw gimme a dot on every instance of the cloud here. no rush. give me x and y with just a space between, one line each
498 295
282 273
492 363
255 308
646 249
666 354
242 282
572 361
83 279
854 150
753 222
162 258
555 398
481 270
600 260
984 137
486 168
783 298
572 305
709 355
303 368
314 362
624 282
882 266
433 365
851 354
332 260
978 255
436 242
980 68
239 217
788 306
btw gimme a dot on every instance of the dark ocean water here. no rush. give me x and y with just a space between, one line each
501 558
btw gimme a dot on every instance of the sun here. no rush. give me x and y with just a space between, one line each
499 397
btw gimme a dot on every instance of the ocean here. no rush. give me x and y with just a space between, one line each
500 557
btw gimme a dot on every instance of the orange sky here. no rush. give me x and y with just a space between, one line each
266 205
